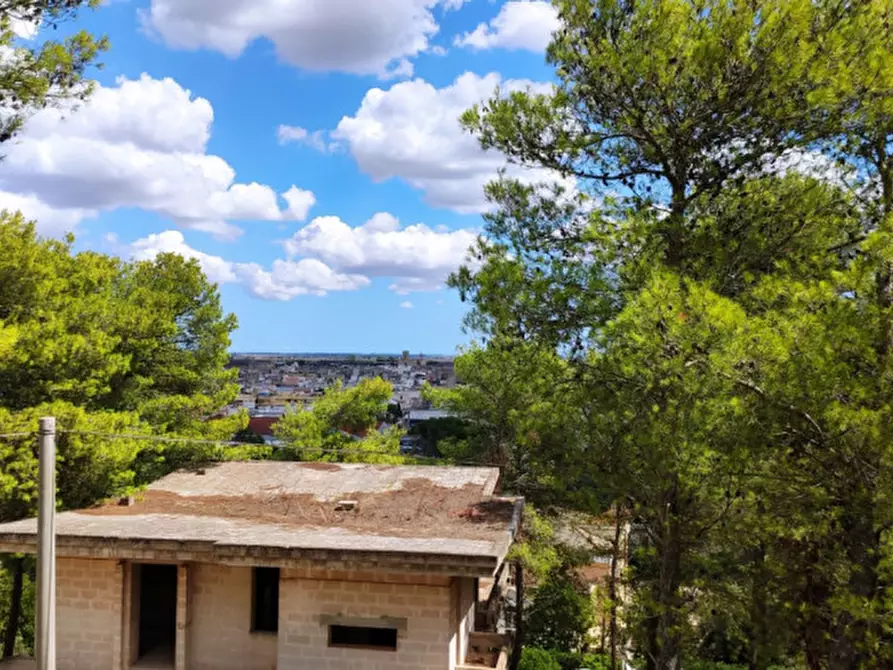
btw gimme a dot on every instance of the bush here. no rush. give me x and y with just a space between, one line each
560 614
533 658
575 661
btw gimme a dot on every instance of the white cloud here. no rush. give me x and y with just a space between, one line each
51 222
411 131
24 29
141 143
299 202
520 24
416 257
314 140
375 38
286 279
406 304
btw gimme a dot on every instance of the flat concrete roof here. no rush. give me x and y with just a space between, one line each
432 519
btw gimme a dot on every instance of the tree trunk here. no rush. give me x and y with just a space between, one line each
672 229
664 639
814 626
15 609
612 586
852 635
758 658
667 653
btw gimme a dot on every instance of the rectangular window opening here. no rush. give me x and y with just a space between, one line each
363 637
265 600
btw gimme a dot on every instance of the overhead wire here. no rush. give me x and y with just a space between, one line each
273 447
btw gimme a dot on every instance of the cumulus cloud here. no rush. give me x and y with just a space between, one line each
141 143
406 304
416 258
376 38
299 203
50 222
328 255
411 131
285 280
520 24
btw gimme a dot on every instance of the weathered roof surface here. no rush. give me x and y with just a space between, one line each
283 510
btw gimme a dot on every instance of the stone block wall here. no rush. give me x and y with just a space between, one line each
305 596
219 635
214 618
88 613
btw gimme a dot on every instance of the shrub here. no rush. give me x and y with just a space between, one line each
533 658
560 614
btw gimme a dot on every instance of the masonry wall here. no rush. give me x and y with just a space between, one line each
88 613
307 595
219 634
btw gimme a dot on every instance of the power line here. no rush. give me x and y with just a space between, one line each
272 447
231 444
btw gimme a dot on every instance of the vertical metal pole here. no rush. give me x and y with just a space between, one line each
46 548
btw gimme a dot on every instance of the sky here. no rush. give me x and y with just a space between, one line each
306 152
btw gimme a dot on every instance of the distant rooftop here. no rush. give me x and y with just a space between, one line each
428 414
274 512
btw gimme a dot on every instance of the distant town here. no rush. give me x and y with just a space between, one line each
273 383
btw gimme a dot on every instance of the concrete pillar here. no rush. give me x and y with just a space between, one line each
184 616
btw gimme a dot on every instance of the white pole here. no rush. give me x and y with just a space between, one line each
46 548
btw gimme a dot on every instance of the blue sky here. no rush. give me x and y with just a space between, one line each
306 152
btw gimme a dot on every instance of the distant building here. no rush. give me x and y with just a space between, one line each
410 444
416 416
262 426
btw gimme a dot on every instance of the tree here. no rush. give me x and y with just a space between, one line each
718 285
341 426
90 468
90 329
512 399
561 613
109 348
32 79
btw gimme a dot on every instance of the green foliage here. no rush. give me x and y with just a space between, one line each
560 614
537 550
513 397
94 331
49 75
341 427
717 298
445 436
580 661
537 659
534 658
90 467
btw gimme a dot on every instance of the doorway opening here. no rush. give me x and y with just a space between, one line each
155 600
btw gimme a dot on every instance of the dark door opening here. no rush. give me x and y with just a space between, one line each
158 613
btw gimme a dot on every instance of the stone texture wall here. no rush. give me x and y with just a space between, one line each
219 634
88 613
425 602
214 618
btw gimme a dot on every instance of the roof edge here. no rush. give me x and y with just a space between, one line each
241 555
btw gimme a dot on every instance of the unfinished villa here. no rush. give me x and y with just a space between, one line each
276 565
